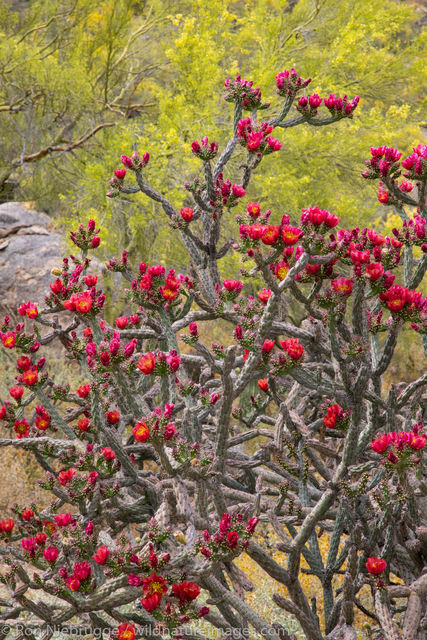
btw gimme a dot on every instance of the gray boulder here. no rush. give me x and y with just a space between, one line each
29 249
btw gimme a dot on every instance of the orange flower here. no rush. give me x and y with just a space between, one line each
263 384
147 363
270 235
291 235
30 376
141 432
9 339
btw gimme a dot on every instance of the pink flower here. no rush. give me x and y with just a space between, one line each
50 554
232 539
238 190
101 556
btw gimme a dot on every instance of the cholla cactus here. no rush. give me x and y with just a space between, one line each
154 492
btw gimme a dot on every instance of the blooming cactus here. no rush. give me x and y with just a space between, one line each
173 457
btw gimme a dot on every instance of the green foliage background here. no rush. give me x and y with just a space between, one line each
89 61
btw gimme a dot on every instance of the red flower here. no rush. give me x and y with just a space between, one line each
359 257
27 514
187 214
375 565
30 376
62 519
16 392
374 271
84 390
112 416
317 216
238 191
395 298
274 144
264 295
7 525
41 539
126 631
28 309
73 583
291 235
83 424
268 346
82 570
263 384
93 477
271 234
417 442
101 555
342 286
232 539
173 361
281 270
154 584
253 209
23 363
32 311
150 603
56 286
375 238
120 173
147 363
121 323
169 432
141 432
96 241
50 554
108 453
333 414
9 339
65 477
225 523
383 195
380 445
29 545
192 328
186 591
90 281
21 428
232 285
168 293
312 269
80 302
252 523
294 349
256 231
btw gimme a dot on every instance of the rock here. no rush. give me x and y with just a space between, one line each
29 249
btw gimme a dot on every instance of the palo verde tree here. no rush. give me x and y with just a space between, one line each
155 492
